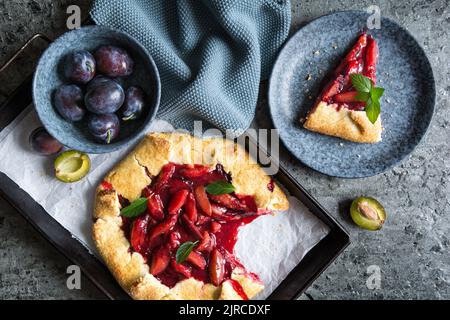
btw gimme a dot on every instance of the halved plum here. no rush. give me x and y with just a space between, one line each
71 166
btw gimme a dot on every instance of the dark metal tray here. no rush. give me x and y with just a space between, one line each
298 280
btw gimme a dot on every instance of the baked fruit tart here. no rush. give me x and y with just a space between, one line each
348 106
167 217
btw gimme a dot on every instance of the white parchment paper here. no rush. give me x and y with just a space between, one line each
271 246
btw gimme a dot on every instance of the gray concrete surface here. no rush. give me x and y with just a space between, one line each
412 250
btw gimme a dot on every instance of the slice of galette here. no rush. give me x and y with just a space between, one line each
339 110
167 217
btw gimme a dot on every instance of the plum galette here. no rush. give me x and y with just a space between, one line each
167 217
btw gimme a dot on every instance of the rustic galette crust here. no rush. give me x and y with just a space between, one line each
130 177
344 123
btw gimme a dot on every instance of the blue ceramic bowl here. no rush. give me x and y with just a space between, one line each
49 76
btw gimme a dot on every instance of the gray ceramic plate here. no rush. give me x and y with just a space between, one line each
407 105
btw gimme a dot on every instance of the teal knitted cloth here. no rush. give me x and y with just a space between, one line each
211 54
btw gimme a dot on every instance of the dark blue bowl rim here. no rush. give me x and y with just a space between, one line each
103 148
402 158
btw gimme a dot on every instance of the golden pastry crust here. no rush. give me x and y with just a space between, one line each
343 123
130 177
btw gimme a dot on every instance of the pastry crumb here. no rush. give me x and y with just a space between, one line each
316 53
341 144
334 46
308 77
310 97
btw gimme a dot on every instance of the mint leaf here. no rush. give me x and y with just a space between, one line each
362 96
373 109
184 250
136 208
369 94
219 187
360 82
376 93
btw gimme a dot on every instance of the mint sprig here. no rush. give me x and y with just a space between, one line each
136 208
219 187
184 250
369 94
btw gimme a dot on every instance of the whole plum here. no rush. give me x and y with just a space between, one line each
43 143
96 81
104 127
79 66
113 61
104 96
69 102
134 103
101 78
